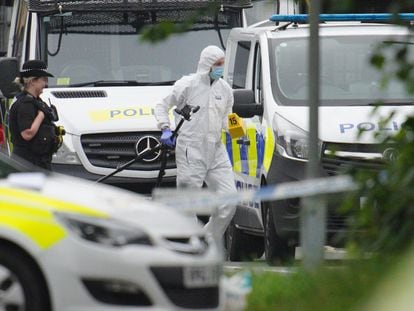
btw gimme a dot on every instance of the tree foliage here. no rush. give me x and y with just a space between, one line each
382 210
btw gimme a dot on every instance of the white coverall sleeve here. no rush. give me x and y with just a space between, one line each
175 98
229 109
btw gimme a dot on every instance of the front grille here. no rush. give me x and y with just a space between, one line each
171 281
194 245
340 158
336 222
117 293
111 150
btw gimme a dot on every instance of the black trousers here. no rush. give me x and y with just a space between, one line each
43 161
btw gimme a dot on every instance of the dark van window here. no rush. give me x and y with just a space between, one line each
240 64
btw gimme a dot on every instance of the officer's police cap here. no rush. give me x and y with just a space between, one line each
34 68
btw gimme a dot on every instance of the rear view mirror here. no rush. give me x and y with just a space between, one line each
245 105
8 72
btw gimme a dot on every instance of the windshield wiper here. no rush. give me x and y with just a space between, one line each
398 42
392 103
120 83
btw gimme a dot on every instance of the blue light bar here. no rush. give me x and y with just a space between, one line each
303 18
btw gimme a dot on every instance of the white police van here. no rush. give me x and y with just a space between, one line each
107 80
267 67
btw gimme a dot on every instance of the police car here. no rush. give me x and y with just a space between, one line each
267 67
69 244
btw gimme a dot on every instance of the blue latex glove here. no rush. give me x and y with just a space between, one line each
167 138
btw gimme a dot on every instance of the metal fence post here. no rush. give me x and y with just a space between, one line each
313 211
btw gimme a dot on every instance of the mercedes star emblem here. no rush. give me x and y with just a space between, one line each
390 154
146 143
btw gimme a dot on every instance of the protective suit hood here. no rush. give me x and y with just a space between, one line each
208 57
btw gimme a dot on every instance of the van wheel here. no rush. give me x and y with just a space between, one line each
277 249
242 246
21 286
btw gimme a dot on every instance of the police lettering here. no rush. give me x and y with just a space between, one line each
368 126
245 186
131 112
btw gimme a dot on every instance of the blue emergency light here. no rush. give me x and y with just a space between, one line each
376 17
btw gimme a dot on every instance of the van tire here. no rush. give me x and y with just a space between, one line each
19 274
241 246
277 249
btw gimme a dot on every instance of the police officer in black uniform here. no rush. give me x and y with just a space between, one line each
31 121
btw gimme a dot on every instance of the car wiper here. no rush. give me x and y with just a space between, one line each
398 42
120 83
392 103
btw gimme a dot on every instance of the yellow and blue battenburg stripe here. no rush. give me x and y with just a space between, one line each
250 154
5 118
269 148
32 214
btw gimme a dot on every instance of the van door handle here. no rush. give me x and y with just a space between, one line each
243 141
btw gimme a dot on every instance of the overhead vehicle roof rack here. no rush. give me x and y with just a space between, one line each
50 6
375 17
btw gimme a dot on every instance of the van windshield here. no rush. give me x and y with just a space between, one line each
82 47
346 75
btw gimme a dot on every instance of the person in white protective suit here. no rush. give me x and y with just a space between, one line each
200 154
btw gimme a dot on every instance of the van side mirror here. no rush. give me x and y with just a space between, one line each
245 105
8 72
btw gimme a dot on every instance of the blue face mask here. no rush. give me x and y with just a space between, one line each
216 72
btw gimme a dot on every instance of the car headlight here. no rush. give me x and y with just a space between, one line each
291 141
108 232
66 153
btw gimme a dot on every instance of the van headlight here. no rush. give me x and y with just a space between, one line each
291 141
66 153
104 231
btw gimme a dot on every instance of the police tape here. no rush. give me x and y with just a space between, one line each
204 201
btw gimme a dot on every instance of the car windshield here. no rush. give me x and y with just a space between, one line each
83 47
346 75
